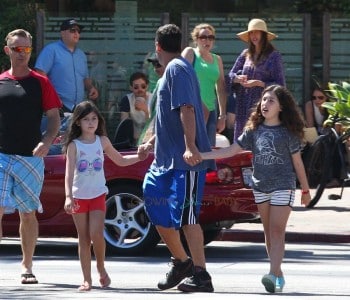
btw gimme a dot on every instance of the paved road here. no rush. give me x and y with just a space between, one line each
312 271
328 221
316 265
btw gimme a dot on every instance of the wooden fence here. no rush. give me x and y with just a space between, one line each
118 45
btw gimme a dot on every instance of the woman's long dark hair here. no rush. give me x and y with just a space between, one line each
80 111
266 49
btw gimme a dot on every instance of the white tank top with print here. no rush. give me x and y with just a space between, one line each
89 178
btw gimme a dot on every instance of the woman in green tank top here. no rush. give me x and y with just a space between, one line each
210 72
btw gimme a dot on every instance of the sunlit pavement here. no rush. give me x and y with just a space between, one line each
328 221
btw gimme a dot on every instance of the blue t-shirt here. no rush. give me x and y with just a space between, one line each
66 70
272 148
178 87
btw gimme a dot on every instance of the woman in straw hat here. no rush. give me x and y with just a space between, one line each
258 66
210 72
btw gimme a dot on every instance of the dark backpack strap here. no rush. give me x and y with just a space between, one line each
194 58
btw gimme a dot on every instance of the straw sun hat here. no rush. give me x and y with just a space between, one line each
256 24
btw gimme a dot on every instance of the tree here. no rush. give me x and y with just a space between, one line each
319 6
16 14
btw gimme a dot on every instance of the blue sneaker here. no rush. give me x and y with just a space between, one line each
280 282
269 282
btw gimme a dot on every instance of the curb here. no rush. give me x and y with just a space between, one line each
257 236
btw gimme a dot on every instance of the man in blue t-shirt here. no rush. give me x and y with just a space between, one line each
174 184
66 66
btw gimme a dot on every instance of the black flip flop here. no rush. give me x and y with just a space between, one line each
28 278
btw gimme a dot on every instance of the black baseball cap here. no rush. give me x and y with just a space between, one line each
152 58
69 23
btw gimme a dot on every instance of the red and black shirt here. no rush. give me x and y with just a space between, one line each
22 103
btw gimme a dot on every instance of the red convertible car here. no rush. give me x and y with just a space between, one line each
227 199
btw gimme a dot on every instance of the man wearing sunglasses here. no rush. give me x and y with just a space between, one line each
24 96
149 128
66 66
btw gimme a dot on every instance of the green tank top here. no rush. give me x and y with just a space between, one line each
208 74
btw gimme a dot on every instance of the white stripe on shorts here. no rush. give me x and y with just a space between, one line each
278 198
191 215
188 215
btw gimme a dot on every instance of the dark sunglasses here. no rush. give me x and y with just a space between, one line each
22 49
74 30
139 86
318 97
207 37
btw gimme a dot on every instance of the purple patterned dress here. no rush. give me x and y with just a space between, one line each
269 70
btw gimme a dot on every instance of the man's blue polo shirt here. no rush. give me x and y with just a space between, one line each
66 70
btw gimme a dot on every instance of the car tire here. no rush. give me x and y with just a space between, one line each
127 229
210 233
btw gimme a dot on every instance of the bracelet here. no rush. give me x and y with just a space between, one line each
222 117
305 192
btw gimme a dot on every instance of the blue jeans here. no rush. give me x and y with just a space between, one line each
56 148
63 127
211 127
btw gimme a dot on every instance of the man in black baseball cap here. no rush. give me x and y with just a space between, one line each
66 66
70 23
153 59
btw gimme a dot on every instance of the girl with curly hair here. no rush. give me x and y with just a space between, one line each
274 134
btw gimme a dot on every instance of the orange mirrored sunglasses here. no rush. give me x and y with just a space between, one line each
20 49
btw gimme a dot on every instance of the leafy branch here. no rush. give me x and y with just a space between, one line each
339 106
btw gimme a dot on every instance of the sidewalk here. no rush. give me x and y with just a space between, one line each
328 221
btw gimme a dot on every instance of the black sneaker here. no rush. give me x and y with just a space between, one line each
199 282
178 271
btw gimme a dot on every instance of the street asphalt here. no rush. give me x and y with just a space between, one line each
328 222
236 270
